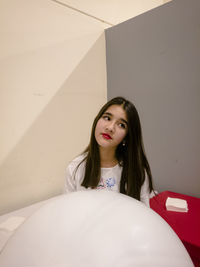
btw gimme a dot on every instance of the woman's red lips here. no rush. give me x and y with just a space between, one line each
106 136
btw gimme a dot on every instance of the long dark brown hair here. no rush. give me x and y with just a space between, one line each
131 157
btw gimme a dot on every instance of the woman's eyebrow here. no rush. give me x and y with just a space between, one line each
110 114
124 121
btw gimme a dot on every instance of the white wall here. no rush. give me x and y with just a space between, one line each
52 83
114 11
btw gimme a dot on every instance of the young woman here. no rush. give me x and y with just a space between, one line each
115 158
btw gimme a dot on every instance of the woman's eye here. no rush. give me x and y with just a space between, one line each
122 125
105 117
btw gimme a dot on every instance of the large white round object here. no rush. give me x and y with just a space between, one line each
94 229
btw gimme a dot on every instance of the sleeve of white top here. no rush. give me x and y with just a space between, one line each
70 185
145 194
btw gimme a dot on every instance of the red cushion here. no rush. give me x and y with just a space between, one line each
185 224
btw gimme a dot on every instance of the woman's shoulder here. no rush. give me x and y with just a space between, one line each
77 160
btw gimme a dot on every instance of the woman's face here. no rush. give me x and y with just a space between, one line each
112 127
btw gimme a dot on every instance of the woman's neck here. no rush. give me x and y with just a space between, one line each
107 158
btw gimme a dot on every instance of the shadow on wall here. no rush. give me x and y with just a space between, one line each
154 60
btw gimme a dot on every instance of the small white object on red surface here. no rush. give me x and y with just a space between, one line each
176 204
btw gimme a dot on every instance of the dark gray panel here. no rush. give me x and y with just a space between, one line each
154 60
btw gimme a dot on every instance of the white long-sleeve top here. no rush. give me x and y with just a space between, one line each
110 179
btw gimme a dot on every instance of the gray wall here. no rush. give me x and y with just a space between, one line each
154 60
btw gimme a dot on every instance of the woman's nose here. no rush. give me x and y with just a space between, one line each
111 126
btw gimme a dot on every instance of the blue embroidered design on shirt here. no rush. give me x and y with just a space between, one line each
110 182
